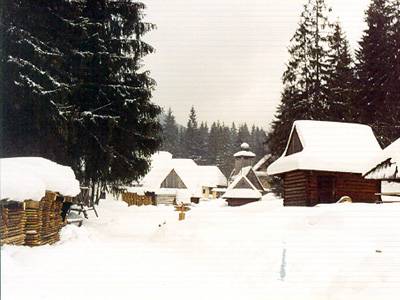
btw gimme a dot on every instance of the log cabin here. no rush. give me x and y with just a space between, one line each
324 161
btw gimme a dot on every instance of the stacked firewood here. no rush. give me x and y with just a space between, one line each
12 223
135 199
44 220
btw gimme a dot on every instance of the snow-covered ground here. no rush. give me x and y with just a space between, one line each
257 251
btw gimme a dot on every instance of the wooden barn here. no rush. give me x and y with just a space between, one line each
386 167
245 188
324 161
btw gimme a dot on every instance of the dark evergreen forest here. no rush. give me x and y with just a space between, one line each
212 144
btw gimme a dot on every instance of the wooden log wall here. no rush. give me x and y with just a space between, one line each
301 187
12 223
135 199
295 189
353 185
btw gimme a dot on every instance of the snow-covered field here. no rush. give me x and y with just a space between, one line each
258 251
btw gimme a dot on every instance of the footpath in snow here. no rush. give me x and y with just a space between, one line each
258 251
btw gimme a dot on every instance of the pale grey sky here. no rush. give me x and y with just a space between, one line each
226 57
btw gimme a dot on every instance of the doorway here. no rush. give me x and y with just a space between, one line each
326 189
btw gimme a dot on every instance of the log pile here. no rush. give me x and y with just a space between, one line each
43 220
12 223
135 199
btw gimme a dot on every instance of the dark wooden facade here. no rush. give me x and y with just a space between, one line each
240 201
308 188
173 181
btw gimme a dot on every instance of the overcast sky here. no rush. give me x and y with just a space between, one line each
226 57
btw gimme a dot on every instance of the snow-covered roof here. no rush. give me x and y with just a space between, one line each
244 154
242 194
262 161
386 164
193 176
329 146
162 164
23 178
211 176
239 192
246 173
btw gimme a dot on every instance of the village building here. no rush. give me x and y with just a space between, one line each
245 188
324 161
260 168
243 158
179 180
386 167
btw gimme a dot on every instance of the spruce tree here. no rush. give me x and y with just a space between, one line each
192 141
213 144
78 82
203 137
373 63
305 91
244 135
170 134
34 90
341 79
392 100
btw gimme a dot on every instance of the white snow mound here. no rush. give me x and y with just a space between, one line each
24 178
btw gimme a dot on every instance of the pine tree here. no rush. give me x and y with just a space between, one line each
203 136
33 86
79 71
192 141
392 101
305 92
372 68
244 135
213 144
341 79
170 133
224 157
116 123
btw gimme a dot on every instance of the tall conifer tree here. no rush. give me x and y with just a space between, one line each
341 79
305 92
372 68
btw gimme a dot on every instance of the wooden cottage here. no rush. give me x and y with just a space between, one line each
176 180
324 161
245 188
386 167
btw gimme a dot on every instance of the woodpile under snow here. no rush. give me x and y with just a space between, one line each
32 190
